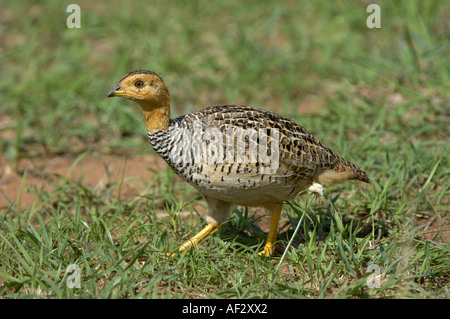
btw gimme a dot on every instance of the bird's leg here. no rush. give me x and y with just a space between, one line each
218 213
269 248
205 232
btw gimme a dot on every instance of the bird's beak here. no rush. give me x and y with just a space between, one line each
115 91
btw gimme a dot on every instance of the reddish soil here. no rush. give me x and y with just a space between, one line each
93 171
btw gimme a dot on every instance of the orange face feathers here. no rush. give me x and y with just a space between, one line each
140 86
147 89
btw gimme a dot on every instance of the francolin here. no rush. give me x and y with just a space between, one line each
235 154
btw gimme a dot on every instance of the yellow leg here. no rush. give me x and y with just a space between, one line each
205 232
269 248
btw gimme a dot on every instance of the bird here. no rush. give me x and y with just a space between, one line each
234 155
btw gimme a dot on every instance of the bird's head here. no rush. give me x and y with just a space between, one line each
147 89
143 87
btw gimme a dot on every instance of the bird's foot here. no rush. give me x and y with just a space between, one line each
186 245
170 254
269 250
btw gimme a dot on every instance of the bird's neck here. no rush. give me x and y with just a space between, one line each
156 114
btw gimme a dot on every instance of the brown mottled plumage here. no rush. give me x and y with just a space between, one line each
235 155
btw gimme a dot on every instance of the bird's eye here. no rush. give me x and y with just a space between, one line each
138 83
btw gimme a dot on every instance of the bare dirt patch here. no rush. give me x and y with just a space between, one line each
92 170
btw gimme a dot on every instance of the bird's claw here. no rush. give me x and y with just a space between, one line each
269 250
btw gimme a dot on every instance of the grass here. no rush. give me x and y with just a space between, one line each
379 98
